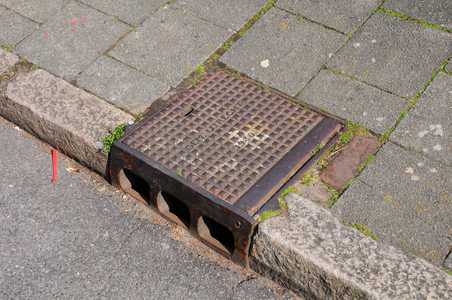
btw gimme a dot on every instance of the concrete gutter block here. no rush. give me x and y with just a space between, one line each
66 117
320 258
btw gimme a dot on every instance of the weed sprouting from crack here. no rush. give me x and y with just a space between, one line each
363 229
115 134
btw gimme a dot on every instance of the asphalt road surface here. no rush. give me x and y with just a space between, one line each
70 240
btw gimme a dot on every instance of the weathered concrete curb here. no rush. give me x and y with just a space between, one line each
66 117
309 251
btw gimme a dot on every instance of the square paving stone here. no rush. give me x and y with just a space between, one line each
7 59
170 45
427 128
354 101
132 12
394 54
121 85
404 198
14 27
430 11
66 52
282 51
37 10
227 14
344 16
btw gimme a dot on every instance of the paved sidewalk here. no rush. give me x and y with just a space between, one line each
381 65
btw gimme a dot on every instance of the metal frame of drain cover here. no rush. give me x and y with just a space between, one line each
218 155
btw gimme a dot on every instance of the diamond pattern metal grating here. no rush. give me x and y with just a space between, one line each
223 134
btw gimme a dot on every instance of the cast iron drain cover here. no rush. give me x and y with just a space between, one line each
216 154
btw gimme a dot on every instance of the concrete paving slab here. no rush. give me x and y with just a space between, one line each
132 12
320 258
394 54
405 199
344 16
7 59
66 117
354 101
121 84
429 11
170 45
448 262
229 14
66 52
427 127
14 27
37 10
283 51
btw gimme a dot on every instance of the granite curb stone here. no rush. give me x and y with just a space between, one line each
66 52
231 14
170 45
404 198
37 10
326 260
283 51
354 101
427 127
396 55
66 117
14 27
121 85
430 11
132 12
7 59
344 16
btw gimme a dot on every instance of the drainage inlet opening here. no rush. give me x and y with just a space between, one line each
134 185
174 209
216 234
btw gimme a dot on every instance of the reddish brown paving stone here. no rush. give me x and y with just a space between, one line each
346 165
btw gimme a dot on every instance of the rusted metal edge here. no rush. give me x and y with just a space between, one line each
202 203
287 166
273 203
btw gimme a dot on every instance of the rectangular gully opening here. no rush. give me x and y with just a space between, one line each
134 185
216 234
174 209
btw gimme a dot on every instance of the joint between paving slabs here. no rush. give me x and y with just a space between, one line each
395 14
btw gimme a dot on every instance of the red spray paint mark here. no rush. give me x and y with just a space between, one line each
54 158
75 21
83 21
73 28
46 34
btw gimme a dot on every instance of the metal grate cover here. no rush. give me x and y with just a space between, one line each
223 134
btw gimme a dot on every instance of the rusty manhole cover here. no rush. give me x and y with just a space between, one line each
216 154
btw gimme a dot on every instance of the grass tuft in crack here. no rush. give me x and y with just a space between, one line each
364 230
115 134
